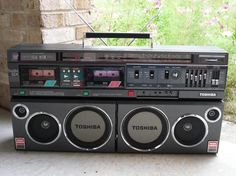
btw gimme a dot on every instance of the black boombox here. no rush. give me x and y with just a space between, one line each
165 99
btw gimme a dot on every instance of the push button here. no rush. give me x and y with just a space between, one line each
22 92
85 93
131 93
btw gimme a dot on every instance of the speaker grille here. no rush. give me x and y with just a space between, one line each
88 127
145 128
190 130
43 128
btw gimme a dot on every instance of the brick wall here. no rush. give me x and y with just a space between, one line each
38 21
19 22
60 24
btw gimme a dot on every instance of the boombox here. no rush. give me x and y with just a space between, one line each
164 99
123 126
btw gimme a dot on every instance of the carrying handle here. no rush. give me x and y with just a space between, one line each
134 35
143 35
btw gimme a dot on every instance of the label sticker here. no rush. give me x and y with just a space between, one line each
212 146
20 143
50 83
114 84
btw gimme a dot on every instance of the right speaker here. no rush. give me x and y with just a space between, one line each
169 126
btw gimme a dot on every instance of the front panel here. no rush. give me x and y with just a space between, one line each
64 125
169 126
125 73
117 126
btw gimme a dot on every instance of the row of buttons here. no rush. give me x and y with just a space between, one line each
71 77
215 78
151 74
215 82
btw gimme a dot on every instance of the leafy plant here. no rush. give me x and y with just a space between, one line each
178 22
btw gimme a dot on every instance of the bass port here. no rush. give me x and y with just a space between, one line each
145 129
190 130
88 127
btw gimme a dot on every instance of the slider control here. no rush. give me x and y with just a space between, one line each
200 79
136 74
204 78
186 78
151 74
191 79
167 74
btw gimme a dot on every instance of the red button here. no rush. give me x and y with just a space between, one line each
131 93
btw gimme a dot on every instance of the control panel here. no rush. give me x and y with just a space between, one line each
120 77
181 72
155 76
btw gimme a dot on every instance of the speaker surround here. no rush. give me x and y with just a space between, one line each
190 130
145 128
213 114
88 127
20 111
43 128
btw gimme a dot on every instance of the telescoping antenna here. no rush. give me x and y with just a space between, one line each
145 26
91 28
82 18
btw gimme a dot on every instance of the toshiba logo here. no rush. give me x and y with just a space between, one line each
144 127
207 94
95 127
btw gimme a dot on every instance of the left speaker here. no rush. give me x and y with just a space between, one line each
64 125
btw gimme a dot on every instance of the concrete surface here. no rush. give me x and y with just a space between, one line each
14 163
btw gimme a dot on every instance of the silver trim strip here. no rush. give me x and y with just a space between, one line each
145 150
185 116
24 106
82 148
41 143
215 108
211 56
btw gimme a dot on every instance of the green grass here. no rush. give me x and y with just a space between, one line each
187 22
230 111
178 22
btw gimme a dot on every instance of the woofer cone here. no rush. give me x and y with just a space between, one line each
190 130
88 127
43 128
145 128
